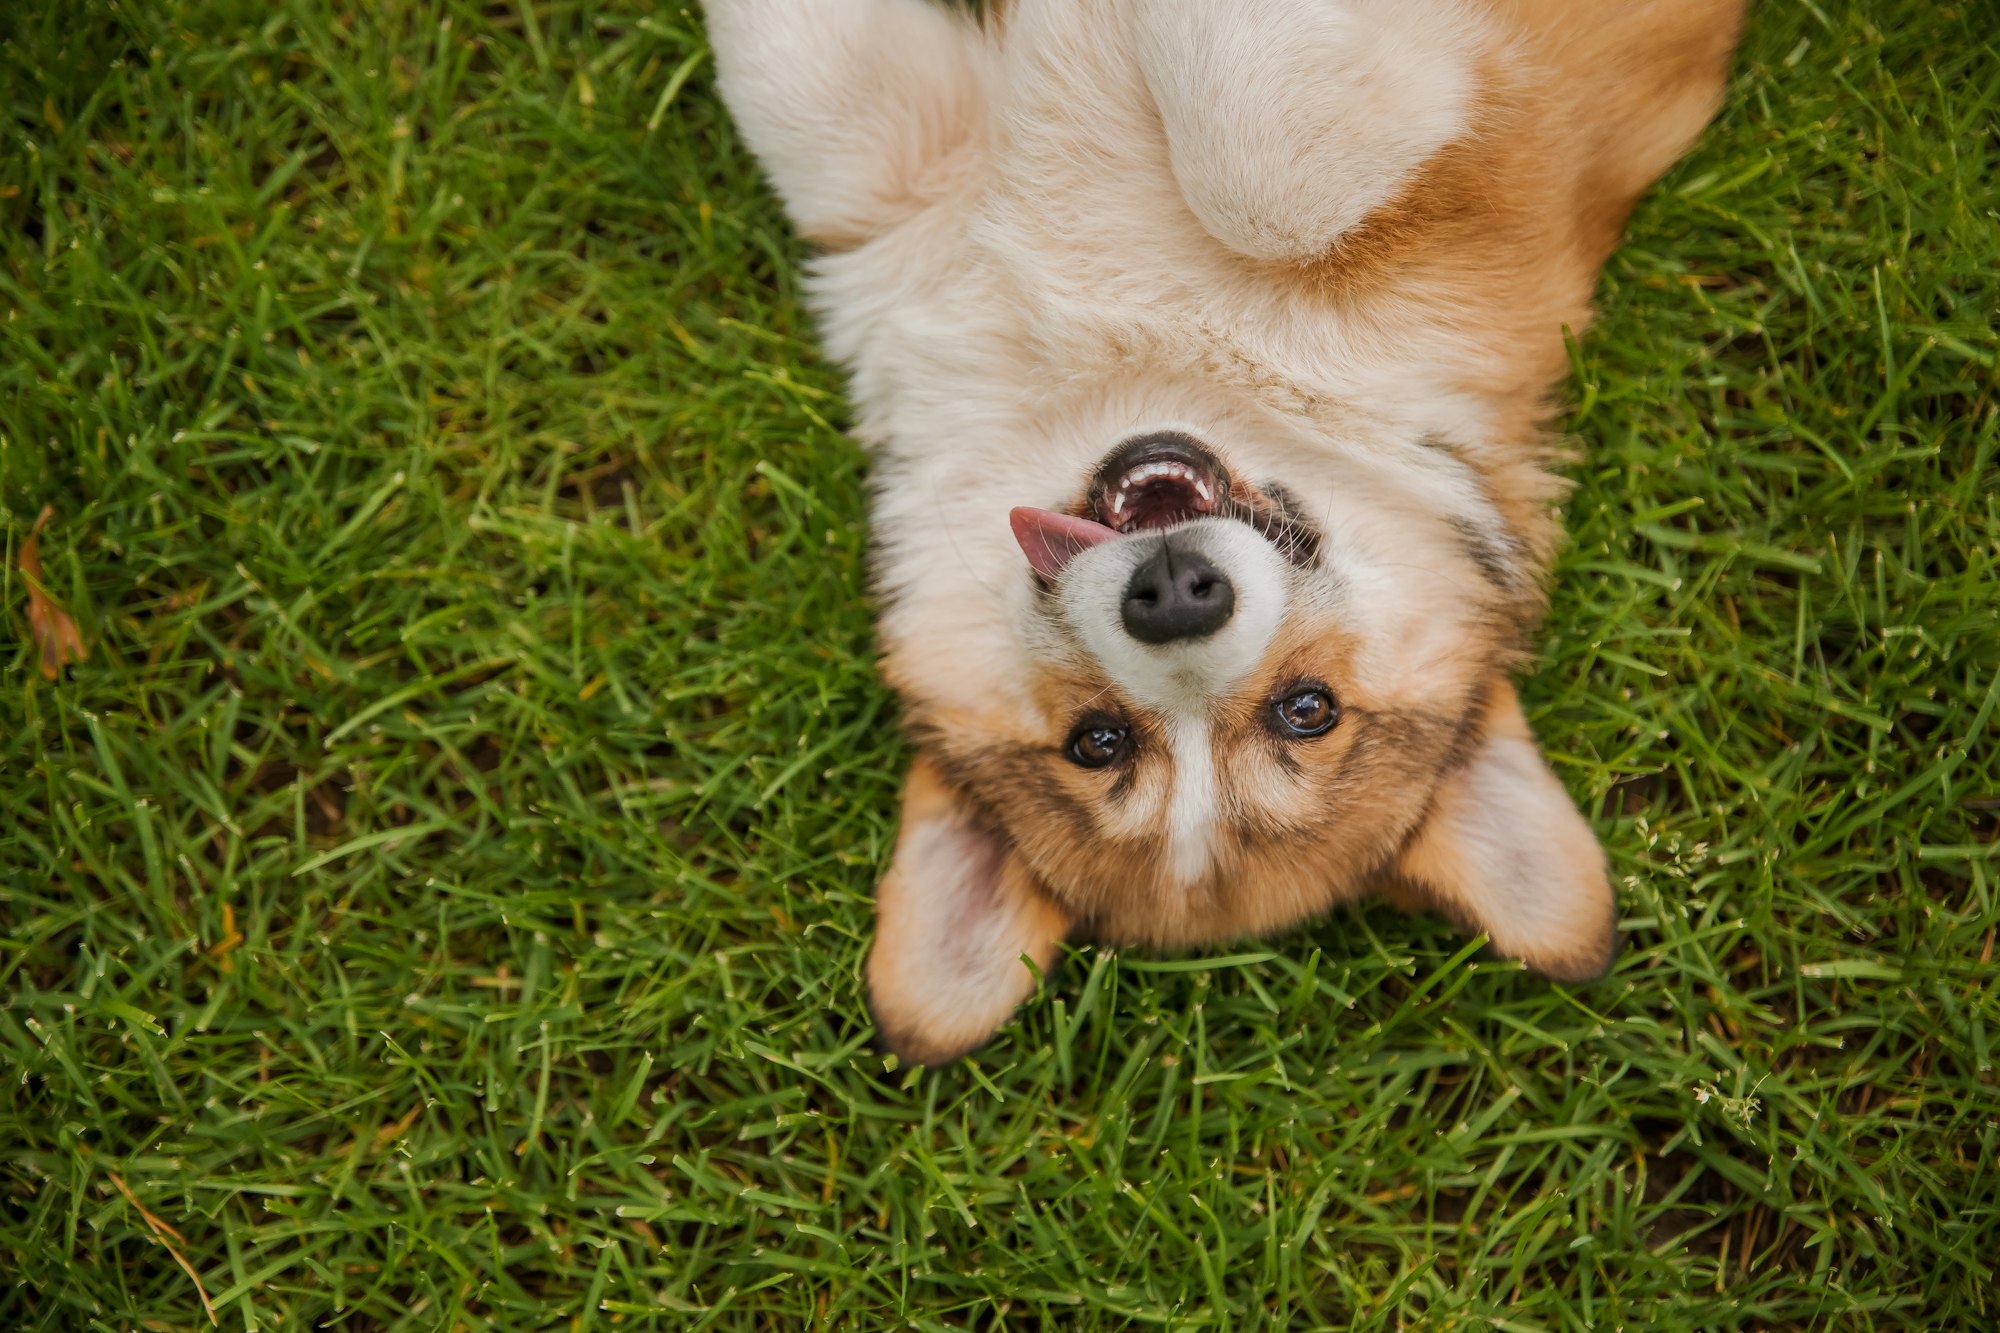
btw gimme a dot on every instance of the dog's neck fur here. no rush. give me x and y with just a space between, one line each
1051 244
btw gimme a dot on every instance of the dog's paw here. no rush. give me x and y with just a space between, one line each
1290 121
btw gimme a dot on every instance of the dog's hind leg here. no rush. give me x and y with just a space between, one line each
1290 121
857 108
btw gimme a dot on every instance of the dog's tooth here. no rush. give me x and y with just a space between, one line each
1169 468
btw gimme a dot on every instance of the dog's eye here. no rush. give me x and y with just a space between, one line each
1307 713
1096 746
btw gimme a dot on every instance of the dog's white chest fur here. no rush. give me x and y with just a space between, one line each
1059 290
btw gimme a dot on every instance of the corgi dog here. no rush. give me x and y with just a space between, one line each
1204 351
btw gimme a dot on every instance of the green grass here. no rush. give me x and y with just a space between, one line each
441 895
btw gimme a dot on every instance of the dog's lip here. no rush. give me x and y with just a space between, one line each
1160 483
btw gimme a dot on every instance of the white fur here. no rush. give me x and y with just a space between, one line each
854 105
1180 678
1289 121
1191 816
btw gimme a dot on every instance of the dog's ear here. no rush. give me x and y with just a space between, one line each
954 918
1505 851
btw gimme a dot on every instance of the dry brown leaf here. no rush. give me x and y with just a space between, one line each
56 636
231 937
389 1133
165 1235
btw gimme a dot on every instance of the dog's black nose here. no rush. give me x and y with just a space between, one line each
1177 594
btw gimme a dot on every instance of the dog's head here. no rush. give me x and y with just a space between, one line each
1242 690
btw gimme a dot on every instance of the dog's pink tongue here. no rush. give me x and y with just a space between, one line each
1051 540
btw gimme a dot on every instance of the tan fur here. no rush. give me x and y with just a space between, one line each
1338 243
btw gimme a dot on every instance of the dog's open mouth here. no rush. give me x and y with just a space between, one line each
1152 482
1161 489
1156 481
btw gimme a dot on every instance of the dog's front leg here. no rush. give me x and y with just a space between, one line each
854 106
1290 121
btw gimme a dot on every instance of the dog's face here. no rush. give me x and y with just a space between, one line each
1240 699
1241 692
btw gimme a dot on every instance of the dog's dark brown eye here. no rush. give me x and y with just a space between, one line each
1307 713
1094 747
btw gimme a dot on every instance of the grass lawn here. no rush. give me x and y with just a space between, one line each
439 899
